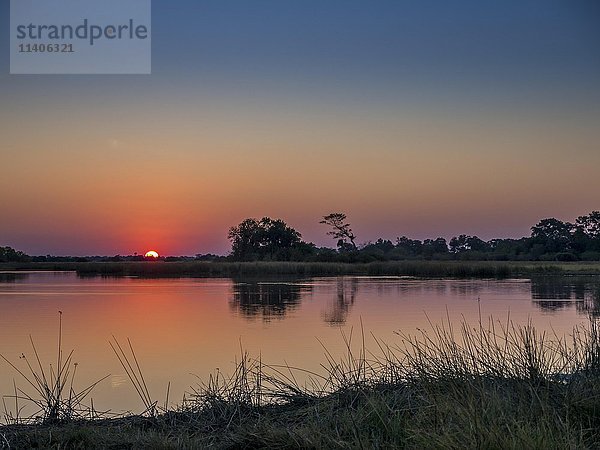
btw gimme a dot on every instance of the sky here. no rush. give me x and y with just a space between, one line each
425 119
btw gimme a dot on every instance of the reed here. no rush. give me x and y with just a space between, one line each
493 384
425 269
53 393
130 364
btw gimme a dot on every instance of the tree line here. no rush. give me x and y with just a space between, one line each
550 240
8 254
270 239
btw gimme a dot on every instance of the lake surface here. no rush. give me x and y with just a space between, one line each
184 329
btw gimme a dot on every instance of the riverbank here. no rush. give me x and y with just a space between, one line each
493 387
426 269
446 414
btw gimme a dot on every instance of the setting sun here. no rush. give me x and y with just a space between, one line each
151 254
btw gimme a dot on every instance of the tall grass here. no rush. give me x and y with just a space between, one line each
132 368
53 393
436 269
490 385
493 384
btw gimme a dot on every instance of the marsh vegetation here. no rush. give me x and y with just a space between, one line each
425 269
491 384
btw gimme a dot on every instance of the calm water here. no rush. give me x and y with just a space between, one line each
182 329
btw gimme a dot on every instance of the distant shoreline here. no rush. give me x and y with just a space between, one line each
423 269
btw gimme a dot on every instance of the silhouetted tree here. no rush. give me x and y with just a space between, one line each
507 249
586 236
267 238
590 224
409 247
465 243
245 239
434 246
340 230
277 235
377 251
553 234
8 254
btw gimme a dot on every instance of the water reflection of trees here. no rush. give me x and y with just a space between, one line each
553 294
266 300
12 277
273 300
339 307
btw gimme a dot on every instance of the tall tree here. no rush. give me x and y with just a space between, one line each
259 239
590 224
411 247
245 239
463 243
553 234
276 235
340 230
586 236
434 246
9 254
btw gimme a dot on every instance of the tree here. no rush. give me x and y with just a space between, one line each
378 250
507 249
340 230
465 243
434 246
590 224
253 239
409 247
586 236
277 235
245 239
385 245
553 234
8 254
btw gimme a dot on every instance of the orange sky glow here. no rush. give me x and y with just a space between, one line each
408 133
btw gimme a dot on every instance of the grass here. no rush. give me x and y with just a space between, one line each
494 385
54 398
430 269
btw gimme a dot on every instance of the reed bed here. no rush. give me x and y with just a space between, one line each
492 385
425 269
51 392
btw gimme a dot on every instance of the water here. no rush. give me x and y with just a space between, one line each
184 329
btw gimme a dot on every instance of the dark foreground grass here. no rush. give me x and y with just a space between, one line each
432 269
484 387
